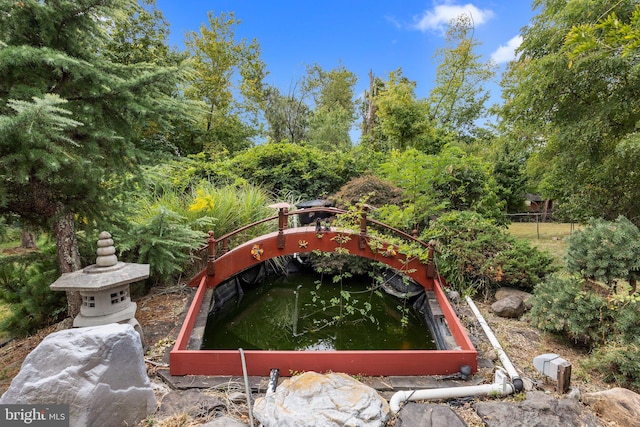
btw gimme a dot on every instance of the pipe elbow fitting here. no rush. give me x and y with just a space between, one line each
518 384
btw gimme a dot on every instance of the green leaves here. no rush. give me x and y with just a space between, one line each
605 251
477 255
571 98
611 34
458 99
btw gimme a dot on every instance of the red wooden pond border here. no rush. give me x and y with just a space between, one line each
184 361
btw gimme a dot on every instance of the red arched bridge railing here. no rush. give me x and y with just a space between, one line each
224 262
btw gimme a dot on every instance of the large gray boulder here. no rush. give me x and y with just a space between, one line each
505 292
619 405
98 371
330 400
511 306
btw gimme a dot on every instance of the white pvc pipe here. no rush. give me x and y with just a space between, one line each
506 363
500 385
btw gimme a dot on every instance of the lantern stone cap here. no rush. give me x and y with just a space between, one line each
93 279
106 273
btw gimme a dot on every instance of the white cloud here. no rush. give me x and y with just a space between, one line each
439 17
506 53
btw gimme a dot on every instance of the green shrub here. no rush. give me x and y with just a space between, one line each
230 207
377 191
8 233
24 286
563 304
167 230
163 239
474 254
606 251
283 168
451 180
585 306
618 361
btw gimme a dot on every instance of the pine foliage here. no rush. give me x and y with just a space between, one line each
606 251
24 286
69 116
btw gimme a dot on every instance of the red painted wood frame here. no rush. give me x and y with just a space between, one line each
371 362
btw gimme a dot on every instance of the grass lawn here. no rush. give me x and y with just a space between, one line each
548 236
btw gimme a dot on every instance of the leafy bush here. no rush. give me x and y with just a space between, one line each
230 207
606 251
185 173
618 362
377 191
451 180
24 285
475 254
291 168
564 305
167 230
8 233
581 308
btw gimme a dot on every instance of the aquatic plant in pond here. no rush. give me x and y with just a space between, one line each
294 313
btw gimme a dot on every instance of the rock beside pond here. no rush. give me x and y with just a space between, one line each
98 371
511 306
526 297
328 400
428 415
539 409
619 405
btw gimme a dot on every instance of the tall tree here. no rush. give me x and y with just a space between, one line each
228 78
458 99
69 114
402 119
287 115
334 112
576 108
142 37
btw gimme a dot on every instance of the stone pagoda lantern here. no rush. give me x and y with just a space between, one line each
104 288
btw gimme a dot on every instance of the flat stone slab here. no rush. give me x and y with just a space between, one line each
183 382
428 415
539 409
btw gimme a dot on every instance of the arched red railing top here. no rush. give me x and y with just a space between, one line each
286 213
273 243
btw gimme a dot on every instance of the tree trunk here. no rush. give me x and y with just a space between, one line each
28 240
369 120
68 256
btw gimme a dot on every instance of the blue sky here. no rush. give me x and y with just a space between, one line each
361 35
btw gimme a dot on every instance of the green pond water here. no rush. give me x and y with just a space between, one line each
287 313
